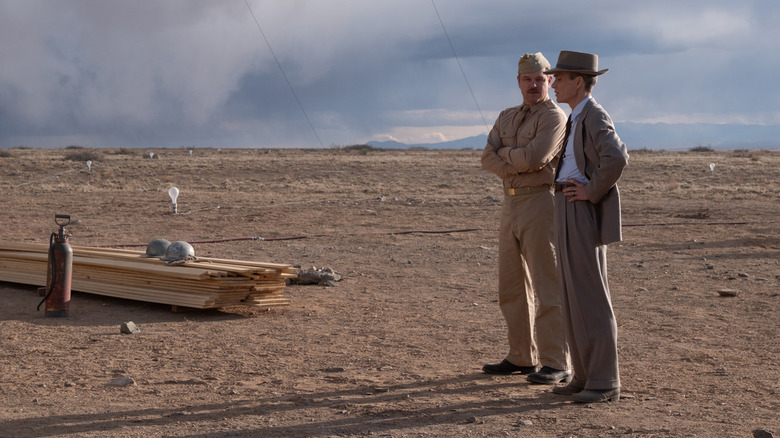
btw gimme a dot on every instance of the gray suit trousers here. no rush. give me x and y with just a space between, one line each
591 329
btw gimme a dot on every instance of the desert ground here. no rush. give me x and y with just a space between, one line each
396 348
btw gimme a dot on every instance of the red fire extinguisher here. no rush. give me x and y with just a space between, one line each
58 271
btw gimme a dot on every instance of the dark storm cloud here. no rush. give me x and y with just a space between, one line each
183 73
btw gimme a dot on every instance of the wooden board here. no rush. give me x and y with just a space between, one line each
202 283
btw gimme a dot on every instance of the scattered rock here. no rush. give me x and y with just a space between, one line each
728 292
762 433
320 276
122 381
176 414
129 328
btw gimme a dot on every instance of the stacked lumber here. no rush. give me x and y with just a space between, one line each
202 283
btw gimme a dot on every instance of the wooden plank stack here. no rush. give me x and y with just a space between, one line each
203 283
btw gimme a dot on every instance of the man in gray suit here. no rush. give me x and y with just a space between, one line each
587 218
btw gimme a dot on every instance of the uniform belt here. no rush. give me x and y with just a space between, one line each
560 186
525 190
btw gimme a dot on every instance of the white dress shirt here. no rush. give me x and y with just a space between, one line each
568 164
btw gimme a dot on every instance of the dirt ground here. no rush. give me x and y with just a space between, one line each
396 348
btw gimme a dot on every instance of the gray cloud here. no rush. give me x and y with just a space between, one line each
186 72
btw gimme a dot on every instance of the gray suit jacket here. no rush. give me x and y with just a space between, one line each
601 157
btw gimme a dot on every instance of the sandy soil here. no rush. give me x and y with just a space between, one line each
396 348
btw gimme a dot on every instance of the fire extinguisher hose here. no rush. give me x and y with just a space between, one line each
52 276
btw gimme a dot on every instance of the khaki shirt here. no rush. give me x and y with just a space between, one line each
535 136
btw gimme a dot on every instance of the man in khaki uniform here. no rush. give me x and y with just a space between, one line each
522 150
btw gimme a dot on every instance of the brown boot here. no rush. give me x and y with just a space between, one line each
569 389
597 395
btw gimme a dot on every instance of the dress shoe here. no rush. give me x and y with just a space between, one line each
507 367
597 395
549 376
569 389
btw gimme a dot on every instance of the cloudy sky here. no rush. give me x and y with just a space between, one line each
181 73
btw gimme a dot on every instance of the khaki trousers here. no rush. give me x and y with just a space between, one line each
529 291
591 329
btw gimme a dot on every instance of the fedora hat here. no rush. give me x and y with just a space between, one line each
577 62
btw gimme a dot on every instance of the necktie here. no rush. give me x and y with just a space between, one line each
566 136
523 113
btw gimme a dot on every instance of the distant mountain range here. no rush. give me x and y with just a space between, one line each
476 142
648 136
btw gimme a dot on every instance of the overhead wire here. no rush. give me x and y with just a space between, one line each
300 104
279 64
457 59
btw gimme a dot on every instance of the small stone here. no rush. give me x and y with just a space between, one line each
129 328
743 275
527 423
762 433
642 289
69 384
317 276
122 381
728 292
334 370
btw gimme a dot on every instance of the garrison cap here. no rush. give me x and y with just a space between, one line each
532 62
